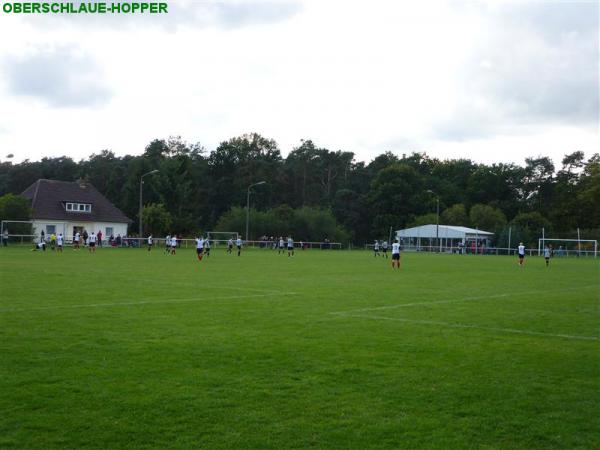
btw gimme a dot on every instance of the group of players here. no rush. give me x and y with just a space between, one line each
548 253
290 246
58 241
203 247
381 249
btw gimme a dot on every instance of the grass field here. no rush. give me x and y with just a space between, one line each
126 348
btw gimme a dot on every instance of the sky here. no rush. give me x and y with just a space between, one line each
491 81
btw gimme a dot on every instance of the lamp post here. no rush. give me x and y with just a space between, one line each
248 206
141 207
437 217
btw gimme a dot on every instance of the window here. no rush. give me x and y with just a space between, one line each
50 229
109 231
78 207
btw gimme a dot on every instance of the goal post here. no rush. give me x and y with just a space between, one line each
569 247
17 229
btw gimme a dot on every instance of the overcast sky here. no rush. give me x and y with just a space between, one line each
490 81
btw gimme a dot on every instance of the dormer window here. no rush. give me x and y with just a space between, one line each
78 207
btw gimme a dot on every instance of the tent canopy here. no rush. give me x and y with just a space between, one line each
445 232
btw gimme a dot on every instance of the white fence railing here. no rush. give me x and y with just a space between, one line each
222 243
181 243
266 245
467 250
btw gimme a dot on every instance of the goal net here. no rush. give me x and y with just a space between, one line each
17 231
569 247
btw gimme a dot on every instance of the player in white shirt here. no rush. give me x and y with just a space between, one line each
59 242
384 247
168 244
396 254
238 244
290 246
547 254
150 242
39 246
92 242
229 245
76 240
173 244
207 247
281 244
521 252
376 248
199 247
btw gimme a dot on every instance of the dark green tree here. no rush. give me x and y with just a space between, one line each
396 196
487 218
425 219
538 183
15 207
527 227
157 220
455 215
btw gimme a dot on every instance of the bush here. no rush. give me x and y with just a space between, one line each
157 220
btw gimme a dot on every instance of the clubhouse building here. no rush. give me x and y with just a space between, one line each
444 237
67 207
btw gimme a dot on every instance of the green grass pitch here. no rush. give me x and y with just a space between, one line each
329 349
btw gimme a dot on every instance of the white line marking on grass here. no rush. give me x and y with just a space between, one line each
205 286
476 327
149 302
435 302
456 300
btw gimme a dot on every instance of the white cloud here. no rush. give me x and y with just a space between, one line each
60 77
454 79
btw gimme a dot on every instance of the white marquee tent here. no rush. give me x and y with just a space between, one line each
442 236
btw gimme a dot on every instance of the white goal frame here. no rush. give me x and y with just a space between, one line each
542 243
5 222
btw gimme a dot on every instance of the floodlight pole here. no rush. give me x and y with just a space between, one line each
248 207
437 219
542 246
437 224
141 205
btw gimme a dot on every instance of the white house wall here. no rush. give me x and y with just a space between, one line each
40 225
66 228
118 229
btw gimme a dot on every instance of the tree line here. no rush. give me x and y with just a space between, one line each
316 191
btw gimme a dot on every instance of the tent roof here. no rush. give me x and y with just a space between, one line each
445 231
